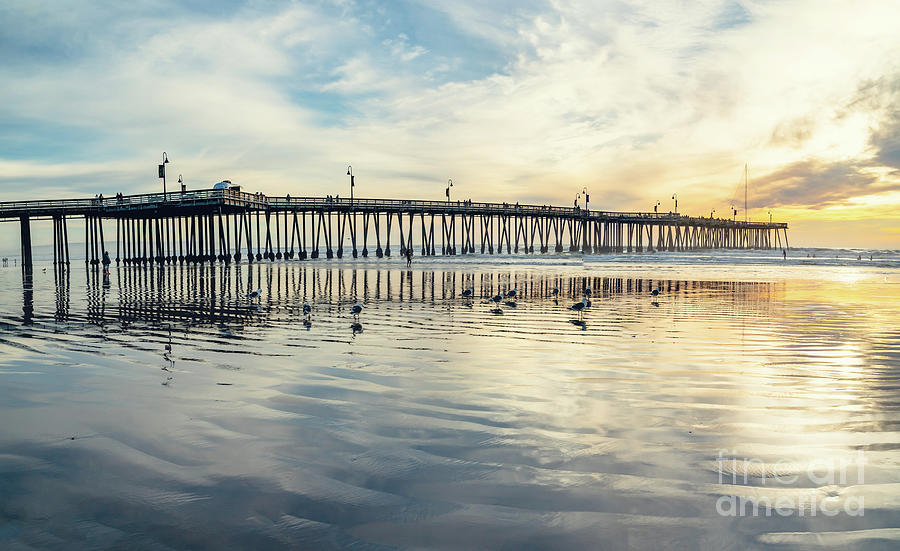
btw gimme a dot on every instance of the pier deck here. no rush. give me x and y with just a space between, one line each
225 225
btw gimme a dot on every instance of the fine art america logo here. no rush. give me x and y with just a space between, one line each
786 488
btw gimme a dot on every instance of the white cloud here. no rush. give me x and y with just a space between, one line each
634 100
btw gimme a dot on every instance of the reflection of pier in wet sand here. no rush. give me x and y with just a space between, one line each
209 295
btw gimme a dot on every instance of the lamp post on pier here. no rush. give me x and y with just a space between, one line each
675 196
656 207
713 211
162 173
449 185
587 198
352 182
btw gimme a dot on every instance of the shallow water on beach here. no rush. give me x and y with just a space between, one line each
163 409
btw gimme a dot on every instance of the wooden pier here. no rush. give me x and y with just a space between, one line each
227 225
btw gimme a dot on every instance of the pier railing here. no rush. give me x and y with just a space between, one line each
254 201
10 209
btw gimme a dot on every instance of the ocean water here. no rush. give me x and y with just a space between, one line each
753 404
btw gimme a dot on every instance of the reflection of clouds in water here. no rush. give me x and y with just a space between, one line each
438 418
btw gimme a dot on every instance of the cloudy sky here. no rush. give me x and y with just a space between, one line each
524 100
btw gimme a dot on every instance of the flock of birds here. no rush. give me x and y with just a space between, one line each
355 311
508 298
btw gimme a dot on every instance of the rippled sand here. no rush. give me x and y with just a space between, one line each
435 423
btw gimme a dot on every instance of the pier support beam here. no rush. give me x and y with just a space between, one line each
25 233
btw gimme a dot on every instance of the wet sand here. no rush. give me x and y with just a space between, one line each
438 424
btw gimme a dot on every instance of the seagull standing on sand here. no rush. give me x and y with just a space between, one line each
512 293
587 291
307 315
254 294
468 292
555 291
356 310
497 298
655 292
579 306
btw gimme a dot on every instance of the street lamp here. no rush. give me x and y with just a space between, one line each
770 217
449 185
735 213
577 197
656 207
587 198
162 173
181 183
675 196
713 211
352 182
